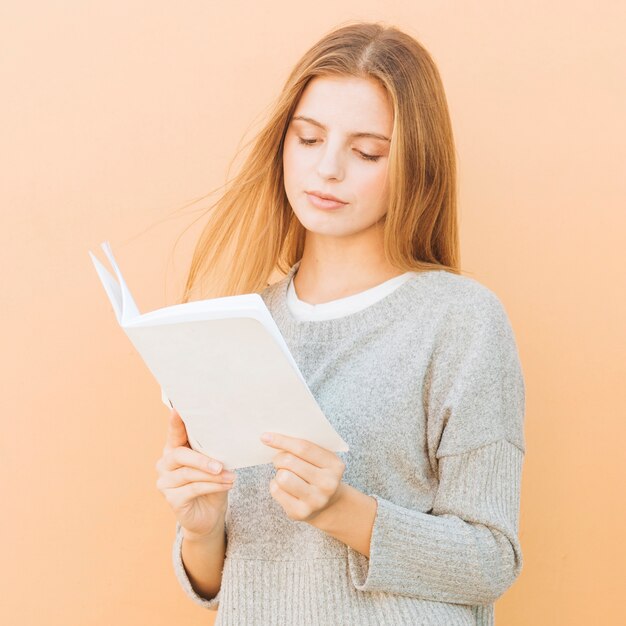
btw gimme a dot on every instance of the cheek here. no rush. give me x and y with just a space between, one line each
295 156
373 177
292 165
294 179
373 191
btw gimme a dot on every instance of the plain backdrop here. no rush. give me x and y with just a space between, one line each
115 114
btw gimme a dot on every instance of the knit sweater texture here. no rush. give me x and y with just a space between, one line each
426 387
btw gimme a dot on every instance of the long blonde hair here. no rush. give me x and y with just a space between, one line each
252 230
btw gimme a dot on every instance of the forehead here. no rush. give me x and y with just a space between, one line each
349 103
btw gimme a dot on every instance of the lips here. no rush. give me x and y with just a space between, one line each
326 196
323 204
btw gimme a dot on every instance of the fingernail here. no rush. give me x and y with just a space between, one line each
266 437
215 467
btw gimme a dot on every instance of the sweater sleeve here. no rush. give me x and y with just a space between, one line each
465 550
183 578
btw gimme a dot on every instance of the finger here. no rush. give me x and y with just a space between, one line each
176 432
178 457
180 496
295 508
307 450
310 473
185 475
293 485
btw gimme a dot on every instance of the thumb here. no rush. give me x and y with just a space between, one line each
176 432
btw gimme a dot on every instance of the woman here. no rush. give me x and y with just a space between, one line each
414 364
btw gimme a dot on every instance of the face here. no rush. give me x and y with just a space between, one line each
334 152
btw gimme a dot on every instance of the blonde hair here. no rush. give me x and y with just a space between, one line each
252 230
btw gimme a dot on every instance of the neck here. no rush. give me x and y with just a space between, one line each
329 272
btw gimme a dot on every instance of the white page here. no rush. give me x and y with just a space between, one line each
249 305
230 379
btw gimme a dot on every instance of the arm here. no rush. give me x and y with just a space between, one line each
350 519
465 549
198 564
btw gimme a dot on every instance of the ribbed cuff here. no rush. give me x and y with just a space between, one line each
466 551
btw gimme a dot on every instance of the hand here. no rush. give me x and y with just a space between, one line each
194 485
308 477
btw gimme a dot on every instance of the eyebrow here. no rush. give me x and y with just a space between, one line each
316 123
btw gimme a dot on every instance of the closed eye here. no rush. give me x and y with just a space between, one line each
366 157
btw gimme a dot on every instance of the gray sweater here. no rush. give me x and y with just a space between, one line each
427 389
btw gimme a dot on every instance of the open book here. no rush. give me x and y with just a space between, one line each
226 368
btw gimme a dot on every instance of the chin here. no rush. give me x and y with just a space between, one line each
328 228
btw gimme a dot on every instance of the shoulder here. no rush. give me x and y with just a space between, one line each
460 298
466 318
475 381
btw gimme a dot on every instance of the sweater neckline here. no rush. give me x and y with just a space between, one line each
339 307
336 328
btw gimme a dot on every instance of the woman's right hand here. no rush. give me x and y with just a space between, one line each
194 485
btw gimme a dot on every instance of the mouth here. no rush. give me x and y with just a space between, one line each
324 203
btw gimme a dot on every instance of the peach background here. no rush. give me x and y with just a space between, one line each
113 114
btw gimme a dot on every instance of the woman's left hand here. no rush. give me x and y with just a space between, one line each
308 477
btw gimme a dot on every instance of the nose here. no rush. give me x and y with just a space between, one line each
330 164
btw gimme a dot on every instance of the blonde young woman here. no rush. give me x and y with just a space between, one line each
413 363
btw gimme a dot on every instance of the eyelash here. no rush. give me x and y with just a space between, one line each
366 157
